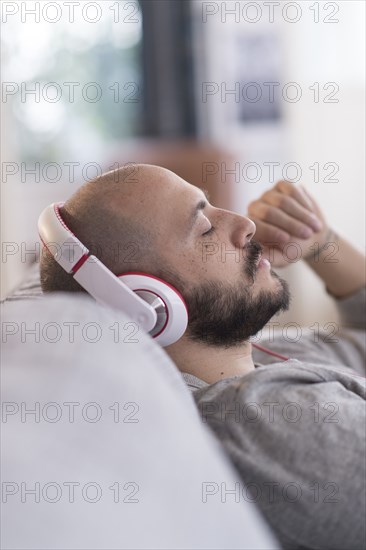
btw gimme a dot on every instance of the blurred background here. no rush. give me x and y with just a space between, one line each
232 96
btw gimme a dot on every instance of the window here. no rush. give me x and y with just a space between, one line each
72 78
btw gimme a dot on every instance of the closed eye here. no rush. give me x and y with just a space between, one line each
211 230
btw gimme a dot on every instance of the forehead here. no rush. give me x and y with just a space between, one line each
162 194
165 182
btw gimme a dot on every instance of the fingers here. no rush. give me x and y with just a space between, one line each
291 207
268 234
282 220
288 209
310 198
298 193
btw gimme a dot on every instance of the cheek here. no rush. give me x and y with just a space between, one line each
220 258
193 264
209 259
203 258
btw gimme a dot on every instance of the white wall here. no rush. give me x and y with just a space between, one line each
330 132
66 50
21 204
310 131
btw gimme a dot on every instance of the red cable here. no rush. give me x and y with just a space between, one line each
265 350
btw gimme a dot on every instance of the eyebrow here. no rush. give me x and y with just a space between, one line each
199 206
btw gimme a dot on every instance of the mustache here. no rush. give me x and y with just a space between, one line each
253 253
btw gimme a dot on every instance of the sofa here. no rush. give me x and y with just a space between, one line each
102 444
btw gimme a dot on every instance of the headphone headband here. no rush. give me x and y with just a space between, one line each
53 231
119 292
87 270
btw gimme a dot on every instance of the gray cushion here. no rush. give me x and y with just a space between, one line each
30 288
147 470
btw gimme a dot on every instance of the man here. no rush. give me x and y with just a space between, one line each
295 430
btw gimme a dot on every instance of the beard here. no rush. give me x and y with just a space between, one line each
225 315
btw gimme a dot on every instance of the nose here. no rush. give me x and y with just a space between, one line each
244 230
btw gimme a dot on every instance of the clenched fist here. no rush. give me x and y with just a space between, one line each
290 224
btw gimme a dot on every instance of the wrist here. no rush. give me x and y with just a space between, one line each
320 246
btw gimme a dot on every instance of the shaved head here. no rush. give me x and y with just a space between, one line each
147 219
108 216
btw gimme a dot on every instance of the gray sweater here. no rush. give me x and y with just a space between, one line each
295 430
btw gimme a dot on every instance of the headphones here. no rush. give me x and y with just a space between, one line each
154 304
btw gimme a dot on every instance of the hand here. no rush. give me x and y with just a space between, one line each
287 214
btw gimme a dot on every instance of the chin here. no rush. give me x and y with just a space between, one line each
269 280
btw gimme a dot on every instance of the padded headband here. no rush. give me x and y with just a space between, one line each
88 271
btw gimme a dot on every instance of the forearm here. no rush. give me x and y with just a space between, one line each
340 265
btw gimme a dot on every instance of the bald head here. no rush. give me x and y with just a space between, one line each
148 219
112 217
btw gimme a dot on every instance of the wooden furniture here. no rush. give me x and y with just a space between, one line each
201 164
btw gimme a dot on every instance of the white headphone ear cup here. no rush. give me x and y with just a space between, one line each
176 318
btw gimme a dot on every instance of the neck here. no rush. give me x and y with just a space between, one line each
209 363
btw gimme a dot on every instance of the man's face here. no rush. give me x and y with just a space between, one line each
230 294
